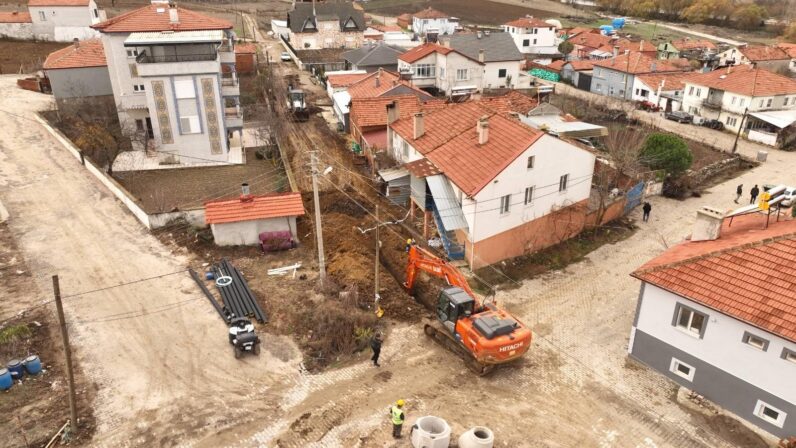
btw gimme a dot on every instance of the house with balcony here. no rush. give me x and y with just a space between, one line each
173 76
325 25
717 316
439 68
760 101
533 37
502 61
495 187
615 76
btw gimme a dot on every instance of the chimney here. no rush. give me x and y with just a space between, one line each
478 35
616 50
76 43
641 46
378 80
173 17
245 193
481 55
393 112
483 130
708 224
418 126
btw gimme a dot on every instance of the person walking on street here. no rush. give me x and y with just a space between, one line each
647 208
397 417
738 193
754 192
375 345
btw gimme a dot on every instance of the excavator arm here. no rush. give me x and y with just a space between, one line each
422 260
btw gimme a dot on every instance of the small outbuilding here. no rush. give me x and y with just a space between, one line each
241 221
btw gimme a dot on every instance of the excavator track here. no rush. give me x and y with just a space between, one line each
441 336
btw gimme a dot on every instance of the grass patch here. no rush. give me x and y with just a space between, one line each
14 333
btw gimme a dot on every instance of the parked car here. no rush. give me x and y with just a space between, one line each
285 56
790 197
713 124
680 117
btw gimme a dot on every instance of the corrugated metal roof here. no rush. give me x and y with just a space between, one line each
174 37
444 198
779 118
566 128
391 174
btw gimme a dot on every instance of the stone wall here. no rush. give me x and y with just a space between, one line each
706 173
325 38
16 30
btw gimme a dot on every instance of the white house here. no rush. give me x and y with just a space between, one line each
436 67
64 20
173 76
431 21
503 189
533 36
325 25
502 61
664 90
249 219
731 93
790 49
772 58
717 315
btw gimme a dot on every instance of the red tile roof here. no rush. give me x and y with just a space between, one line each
57 2
556 66
529 22
380 83
89 53
430 13
245 48
581 65
15 17
636 63
590 40
345 80
746 80
640 46
577 30
749 273
258 207
373 111
421 51
376 139
513 101
788 48
671 81
149 18
693 44
758 53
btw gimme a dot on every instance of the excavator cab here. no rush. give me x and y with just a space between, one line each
452 304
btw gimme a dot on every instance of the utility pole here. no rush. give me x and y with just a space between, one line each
67 354
318 229
740 128
378 247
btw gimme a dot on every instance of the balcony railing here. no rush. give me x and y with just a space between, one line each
229 80
233 112
145 58
712 103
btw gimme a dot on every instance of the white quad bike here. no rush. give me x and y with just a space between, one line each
242 337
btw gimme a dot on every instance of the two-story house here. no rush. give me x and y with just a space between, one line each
326 25
772 58
533 36
64 20
587 44
686 47
502 61
495 187
729 94
439 68
717 315
615 76
432 22
663 90
173 76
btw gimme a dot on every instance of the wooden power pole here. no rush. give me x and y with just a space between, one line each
318 229
68 354
378 247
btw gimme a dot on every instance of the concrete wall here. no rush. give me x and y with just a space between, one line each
248 232
64 23
16 30
80 82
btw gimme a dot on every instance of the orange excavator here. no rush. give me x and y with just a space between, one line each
482 333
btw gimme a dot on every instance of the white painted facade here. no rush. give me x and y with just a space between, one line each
247 233
722 343
536 40
448 73
445 25
643 92
553 158
22 31
502 74
65 23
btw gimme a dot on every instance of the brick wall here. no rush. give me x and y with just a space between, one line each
244 63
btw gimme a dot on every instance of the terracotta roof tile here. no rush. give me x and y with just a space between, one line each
422 168
746 80
15 17
757 53
259 207
748 273
422 51
581 65
693 44
373 111
57 2
155 17
788 48
636 63
592 41
529 22
345 80
431 13
380 83
671 81
89 53
245 48
556 65
513 101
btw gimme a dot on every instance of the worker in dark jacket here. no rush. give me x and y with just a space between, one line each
738 193
375 345
397 418
647 208
754 192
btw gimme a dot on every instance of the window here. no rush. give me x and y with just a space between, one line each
562 182
131 53
526 42
768 103
405 148
138 88
505 203
96 13
761 103
190 125
699 92
742 102
502 73
734 99
184 89
682 369
42 16
786 101
755 341
770 414
691 90
599 73
133 70
424 71
442 73
139 125
598 87
689 320
535 31
789 355
731 121
531 161
534 41
528 195
462 74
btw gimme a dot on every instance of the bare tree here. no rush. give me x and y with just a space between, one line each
621 160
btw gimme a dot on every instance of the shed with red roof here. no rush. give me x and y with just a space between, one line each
241 221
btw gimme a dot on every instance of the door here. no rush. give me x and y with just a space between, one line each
584 82
149 131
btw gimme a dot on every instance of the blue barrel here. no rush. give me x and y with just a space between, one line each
209 275
16 368
5 379
32 364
